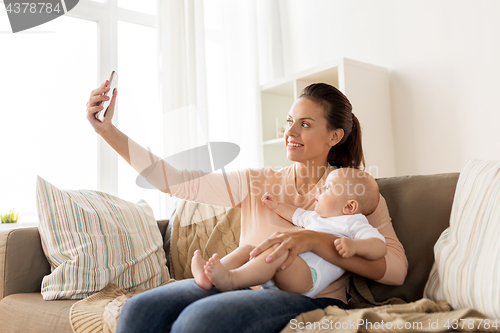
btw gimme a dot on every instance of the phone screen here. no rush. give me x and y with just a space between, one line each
113 82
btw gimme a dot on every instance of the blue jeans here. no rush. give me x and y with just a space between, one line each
182 306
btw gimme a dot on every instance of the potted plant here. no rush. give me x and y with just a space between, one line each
9 218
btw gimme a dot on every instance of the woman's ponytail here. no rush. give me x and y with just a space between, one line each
338 113
349 151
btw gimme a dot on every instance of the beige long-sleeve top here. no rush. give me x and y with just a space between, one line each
245 188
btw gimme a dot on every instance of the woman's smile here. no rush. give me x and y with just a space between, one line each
294 145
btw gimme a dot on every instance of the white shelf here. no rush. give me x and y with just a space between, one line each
279 87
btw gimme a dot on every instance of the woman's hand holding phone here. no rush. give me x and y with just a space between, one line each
95 105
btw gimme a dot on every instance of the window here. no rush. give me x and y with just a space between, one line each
143 6
47 74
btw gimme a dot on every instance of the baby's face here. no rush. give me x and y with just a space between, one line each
333 196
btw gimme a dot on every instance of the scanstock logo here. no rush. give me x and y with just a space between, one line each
28 14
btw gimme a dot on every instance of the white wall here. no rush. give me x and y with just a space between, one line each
444 63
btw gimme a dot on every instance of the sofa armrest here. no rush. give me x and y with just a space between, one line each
22 261
166 233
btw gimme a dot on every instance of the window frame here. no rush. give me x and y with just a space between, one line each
107 16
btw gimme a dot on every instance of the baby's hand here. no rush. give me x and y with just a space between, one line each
345 247
269 200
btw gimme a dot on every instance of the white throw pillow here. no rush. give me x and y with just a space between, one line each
466 271
91 239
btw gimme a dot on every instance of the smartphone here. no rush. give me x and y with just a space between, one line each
113 83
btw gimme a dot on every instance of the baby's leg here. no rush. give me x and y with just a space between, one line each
233 260
254 272
238 257
296 278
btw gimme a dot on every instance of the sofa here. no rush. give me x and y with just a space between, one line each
419 205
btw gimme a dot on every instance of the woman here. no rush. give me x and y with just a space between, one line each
322 132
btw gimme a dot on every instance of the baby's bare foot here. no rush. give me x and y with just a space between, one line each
200 277
218 274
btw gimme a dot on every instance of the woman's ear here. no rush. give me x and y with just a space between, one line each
338 134
351 207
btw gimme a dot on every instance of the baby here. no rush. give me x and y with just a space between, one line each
341 206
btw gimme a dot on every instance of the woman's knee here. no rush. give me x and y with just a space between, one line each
162 303
137 305
136 309
195 318
210 314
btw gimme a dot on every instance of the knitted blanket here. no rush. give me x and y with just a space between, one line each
423 315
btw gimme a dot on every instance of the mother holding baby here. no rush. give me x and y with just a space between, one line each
322 134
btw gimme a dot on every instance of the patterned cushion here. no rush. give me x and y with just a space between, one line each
466 272
92 238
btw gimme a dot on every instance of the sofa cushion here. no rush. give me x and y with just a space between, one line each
29 313
92 238
419 207
467 267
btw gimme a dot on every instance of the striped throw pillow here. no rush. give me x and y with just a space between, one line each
91 239
466 271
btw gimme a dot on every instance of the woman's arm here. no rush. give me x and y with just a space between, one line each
396 261
391 269
213 188
135 155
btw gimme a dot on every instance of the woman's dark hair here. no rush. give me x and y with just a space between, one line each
338 113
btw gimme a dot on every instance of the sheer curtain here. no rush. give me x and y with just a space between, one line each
209 55
182 79
233 73
182 74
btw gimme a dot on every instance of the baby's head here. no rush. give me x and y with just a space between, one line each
347 191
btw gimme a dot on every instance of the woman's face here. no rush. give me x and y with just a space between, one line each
307 138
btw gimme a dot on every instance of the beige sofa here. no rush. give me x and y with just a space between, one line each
419 206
